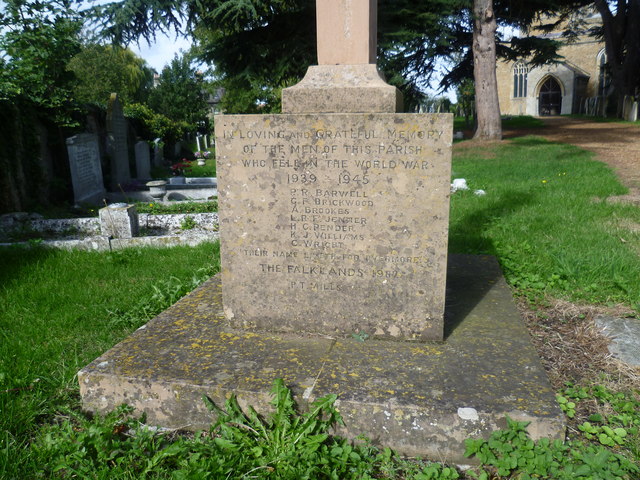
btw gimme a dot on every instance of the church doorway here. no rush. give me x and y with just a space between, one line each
550 99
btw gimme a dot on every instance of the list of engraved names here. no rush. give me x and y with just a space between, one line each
333 182
332 203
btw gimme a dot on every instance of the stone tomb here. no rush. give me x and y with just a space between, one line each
86 171
335 223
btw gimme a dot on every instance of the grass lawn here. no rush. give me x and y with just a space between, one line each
60 310
207 170
543 216
508 122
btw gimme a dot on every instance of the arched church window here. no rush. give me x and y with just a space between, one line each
604 77
520 72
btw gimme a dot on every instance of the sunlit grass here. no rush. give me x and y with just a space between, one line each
545 217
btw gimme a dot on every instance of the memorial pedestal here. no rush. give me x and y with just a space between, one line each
342 88
421 399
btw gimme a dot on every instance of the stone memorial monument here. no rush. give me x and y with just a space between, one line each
86 171
117 143
334 216
333 225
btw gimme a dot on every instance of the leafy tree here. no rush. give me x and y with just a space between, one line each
151 125
38 39
258 47
105 69
466 100
265 45
621 34
180 92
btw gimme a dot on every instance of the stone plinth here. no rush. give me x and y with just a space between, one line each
419 399
335 223
343 89
119 220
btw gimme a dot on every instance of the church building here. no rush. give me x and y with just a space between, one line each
579 83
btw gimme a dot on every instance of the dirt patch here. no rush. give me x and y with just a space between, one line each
570 345
574 350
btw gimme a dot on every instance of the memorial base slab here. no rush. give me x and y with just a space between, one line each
421 399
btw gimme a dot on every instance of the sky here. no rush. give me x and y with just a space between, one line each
160 53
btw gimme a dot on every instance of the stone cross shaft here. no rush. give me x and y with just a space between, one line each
346 32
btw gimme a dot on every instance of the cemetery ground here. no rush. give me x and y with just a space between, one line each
568 252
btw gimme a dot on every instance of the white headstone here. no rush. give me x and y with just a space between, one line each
86 172
633 117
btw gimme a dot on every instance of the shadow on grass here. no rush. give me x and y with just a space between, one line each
465 288
531 141
18 260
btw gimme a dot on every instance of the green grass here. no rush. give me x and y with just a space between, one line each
542 216
60 310
545 219
208 170
523 121
178 207
508 122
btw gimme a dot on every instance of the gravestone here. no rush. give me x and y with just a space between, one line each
86 171
336 222
119 220
143 160
117 143
158 152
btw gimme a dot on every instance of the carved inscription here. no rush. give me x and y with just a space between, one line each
335 209
86 172
87 165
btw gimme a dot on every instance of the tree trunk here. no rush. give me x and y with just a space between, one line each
484 71
622 44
